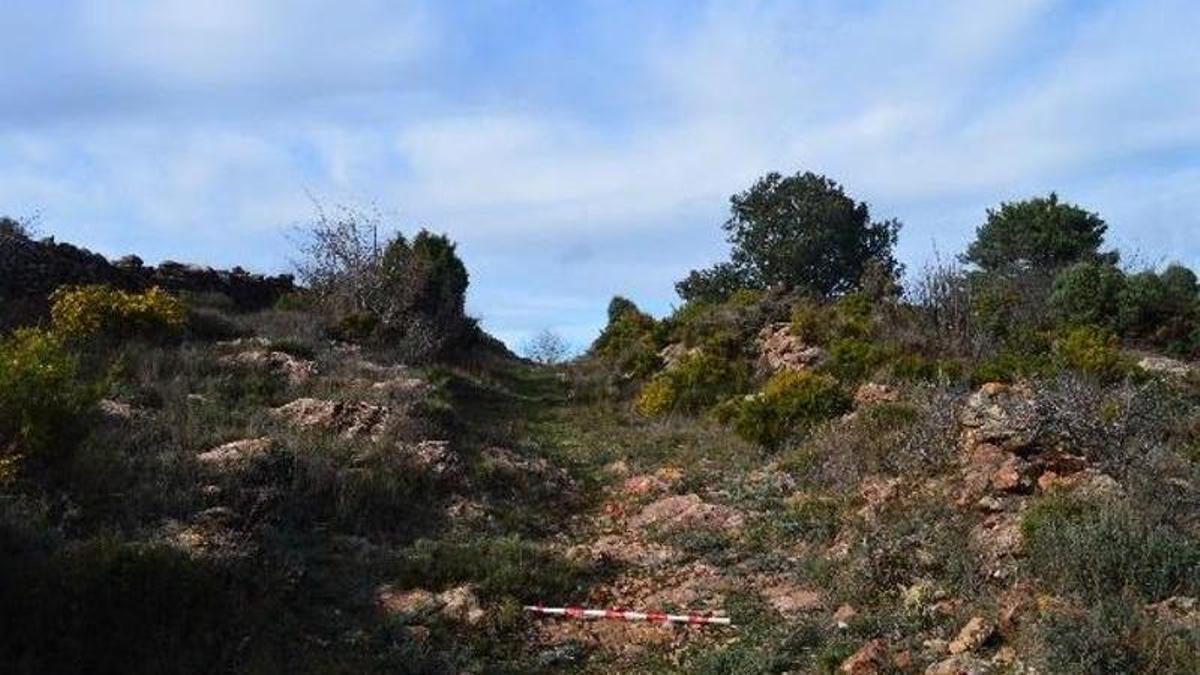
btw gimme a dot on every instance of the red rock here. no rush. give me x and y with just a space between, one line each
870 659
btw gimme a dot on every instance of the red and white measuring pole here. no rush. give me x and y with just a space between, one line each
622 615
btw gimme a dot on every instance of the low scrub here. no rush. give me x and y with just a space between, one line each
1101 550
790 401
42 397
697 381
102 312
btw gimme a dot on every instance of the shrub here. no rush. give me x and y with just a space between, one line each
1101 550
812 322
628 343
211 325
1010 366
656 398
914 367
789 401
1163 308
103 312
1087 294
1092 351
42 400
1037 233
693 383
852 359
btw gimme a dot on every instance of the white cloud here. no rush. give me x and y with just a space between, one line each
214 118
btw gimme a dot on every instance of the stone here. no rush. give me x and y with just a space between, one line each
977 632
1180 611
870 659
405 603
673 353
643 484
1161 365
236 451
460 604
1013 475
1001 414
351 419
780 350
791 600
872 393
115 410
843 615
296 370
1089 483
688 512
876 491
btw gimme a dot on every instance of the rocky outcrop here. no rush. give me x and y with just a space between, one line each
350 419
780 350
688 512
295 370
31 270
235 452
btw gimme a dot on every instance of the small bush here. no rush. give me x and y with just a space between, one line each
629 342
504 566
852 359
1087 294
211 325
695 382
42 400
790 401
355 327
1010 366
1091 351
917 368
103 312
656 398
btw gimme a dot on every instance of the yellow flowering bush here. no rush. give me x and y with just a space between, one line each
41 395
85 312
790 401
697 381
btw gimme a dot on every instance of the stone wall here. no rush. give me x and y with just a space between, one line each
30 270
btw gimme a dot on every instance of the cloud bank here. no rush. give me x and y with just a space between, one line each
577 150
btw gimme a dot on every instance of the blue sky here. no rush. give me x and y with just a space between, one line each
578 150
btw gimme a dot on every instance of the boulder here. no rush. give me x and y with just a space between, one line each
1003 415
296 370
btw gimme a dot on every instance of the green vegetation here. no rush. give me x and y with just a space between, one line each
789 401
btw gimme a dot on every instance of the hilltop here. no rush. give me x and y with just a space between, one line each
993 470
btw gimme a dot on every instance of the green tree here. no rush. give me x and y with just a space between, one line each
714 284
802 232
1037 233
1088 294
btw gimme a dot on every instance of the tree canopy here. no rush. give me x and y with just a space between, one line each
800 231
1038 233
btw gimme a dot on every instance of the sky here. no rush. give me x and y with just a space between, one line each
577 150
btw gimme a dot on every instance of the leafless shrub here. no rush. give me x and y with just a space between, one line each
941 294
340 258
547 348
